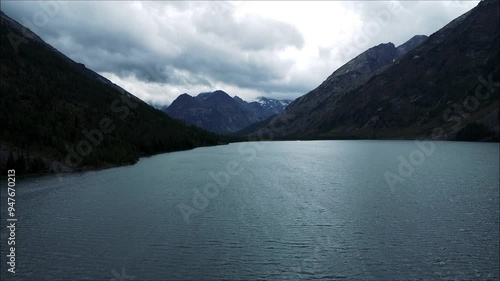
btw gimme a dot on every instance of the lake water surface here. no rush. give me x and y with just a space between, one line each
270 210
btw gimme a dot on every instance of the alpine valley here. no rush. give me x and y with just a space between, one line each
102 178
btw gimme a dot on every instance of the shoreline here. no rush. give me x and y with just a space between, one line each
90 168
110 166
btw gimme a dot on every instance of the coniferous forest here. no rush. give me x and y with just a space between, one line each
54 110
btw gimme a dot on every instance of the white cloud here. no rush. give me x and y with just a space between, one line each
282 49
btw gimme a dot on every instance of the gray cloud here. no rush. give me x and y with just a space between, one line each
408 18
193 45
251 33
203 39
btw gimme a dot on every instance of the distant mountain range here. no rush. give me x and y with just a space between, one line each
441 87
218 112
57 115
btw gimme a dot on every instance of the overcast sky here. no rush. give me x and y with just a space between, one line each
159 50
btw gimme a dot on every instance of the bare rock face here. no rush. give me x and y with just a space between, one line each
424 88
409 45
218 112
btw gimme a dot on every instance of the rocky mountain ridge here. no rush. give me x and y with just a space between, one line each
431 85
218 112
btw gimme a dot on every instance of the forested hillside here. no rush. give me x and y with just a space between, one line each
55 111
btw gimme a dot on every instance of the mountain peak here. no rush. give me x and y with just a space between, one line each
219 92
375 96
185 95
214 94
215 97
183 98
261 99
238 99
411 44
46 70
218 112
